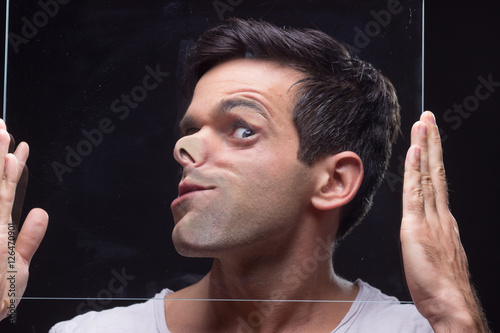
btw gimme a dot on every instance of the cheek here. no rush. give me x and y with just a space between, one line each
276 186
264 177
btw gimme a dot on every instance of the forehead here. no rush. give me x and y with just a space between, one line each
266 82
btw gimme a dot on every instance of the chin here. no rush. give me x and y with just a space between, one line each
193 252
194 247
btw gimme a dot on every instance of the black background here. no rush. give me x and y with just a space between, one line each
112 212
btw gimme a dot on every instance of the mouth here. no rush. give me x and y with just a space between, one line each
185 188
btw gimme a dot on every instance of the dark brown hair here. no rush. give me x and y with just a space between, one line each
342 104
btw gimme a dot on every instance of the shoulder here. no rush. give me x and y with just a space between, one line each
374 311
141 317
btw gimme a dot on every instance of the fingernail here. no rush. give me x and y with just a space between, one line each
432 118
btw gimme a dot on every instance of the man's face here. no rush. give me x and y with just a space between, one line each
243 188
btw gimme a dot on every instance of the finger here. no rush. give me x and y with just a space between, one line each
420 136
32 233
8 187
4 147
436 164
413 203
7 191
21 153
12 143
2 124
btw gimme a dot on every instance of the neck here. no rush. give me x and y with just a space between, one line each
292 273
269 291
275 288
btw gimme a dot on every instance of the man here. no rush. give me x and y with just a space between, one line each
285 140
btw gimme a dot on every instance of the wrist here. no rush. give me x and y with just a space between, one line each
457 313
457 322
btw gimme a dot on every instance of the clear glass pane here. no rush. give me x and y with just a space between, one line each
93 88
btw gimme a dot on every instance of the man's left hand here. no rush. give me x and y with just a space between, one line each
435 262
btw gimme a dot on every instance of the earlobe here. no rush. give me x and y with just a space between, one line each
338 181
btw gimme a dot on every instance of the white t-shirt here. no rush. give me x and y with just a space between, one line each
371 311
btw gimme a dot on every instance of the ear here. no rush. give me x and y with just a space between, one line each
339 177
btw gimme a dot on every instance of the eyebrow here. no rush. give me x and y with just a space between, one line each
226 106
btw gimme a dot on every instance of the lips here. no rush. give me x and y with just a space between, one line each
186 187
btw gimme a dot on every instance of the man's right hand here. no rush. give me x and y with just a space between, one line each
15 259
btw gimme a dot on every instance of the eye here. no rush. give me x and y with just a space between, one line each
242 132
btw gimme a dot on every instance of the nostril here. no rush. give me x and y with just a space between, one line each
189 150
185 154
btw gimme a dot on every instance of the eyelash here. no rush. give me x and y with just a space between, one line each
239 123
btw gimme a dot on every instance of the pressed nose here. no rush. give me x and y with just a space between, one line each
190 150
